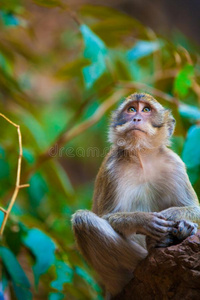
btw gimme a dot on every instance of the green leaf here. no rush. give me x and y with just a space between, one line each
4 280
191 152
56 296
4 169
183 80
28 155
48 3
177 143
96 52
59 118
102 12
143 48
60 177
14 6
64 275
111 31
21 293
5 64
9 19
13 238
72 69
2 215
20 281
189 111
2 153
4 166
43 248
37 189
35 129
193 173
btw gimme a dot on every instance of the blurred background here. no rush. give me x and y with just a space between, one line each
64 66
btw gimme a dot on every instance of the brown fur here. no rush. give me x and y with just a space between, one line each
142 189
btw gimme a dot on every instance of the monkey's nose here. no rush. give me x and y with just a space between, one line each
136 120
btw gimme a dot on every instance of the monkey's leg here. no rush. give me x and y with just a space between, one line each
112 256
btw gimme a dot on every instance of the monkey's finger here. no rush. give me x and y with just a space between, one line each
152 231
158 232
194 231
185 229
191 229
159 215
163 231
161 218
164 222
178 232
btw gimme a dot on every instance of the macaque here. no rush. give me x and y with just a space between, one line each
142 197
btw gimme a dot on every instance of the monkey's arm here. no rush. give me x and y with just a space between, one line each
190 213
185 211
185 204
151 224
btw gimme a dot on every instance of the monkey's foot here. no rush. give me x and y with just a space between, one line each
184 228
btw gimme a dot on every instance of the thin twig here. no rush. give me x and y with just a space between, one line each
196 88
105 106
156 54
76 116
77 130
150 89
17 185
73 15
161 75
3 210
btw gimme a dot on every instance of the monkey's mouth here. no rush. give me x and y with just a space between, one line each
135 128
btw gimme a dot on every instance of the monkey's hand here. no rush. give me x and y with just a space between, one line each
183 229
151 224
155 226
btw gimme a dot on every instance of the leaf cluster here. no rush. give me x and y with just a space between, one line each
59 83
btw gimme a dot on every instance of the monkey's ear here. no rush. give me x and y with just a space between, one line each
170 124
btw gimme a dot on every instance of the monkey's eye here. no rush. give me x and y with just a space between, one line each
131 109
146 109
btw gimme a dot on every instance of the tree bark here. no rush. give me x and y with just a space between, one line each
167 273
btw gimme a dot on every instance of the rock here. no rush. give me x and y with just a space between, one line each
167 273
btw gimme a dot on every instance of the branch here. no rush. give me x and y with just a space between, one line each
95 117
77 130
17 185
148 89
161 75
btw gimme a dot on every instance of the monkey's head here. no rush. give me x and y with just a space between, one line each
141 122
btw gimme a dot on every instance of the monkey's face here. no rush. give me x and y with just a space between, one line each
140 123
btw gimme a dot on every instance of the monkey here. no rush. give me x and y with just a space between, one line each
142 197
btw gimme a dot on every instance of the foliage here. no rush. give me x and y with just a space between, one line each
55 81
20 282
